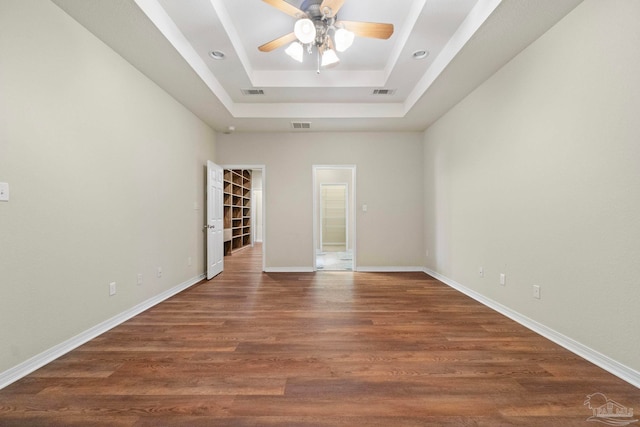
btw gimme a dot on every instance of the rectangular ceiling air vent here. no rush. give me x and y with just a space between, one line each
301 125
384 91
251 92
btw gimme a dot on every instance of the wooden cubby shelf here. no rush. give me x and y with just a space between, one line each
237 209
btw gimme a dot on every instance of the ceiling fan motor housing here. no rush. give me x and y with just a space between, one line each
320 20
312 8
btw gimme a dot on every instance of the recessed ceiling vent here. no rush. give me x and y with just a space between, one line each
384 91
301 125
252 92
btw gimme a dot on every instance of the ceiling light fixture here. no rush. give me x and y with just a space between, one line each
329 58
420 54
217 55
344 39
317 29
305 30
296 51
322 34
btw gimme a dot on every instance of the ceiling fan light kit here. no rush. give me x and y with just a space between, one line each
317 26
329 58
305 30
344 39
296 51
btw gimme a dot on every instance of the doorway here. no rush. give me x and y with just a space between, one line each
250 203
334 222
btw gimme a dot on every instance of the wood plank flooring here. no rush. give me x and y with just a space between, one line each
324 349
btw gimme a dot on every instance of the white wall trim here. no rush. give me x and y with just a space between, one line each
289 270
25 368
389 269
616 368
375 269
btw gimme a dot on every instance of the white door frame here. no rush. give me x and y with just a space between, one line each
352 194
264 206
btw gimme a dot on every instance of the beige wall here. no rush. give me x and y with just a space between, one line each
104 170
389 180
536 175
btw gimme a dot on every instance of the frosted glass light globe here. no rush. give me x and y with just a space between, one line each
305 30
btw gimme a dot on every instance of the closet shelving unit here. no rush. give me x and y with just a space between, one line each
237 209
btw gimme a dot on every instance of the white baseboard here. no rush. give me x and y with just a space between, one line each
389 269
616 368
288 270
25 368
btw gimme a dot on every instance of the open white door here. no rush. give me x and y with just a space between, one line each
215 225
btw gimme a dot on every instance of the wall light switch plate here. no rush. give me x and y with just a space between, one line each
503 279
4 192
536 291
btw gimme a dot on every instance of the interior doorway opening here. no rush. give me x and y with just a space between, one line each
244 208
334 222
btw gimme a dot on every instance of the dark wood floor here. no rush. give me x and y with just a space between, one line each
325 349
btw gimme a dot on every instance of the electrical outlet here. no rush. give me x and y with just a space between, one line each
536 291
503 279
189 261
139 279
159 272
481 271
112 288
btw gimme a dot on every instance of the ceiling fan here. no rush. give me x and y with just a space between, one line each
317 26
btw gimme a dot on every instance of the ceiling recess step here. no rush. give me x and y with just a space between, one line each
301 125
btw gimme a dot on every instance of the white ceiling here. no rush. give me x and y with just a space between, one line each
170 41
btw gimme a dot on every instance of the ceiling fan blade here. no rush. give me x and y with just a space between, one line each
368 29
334 5
280 41
286 8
